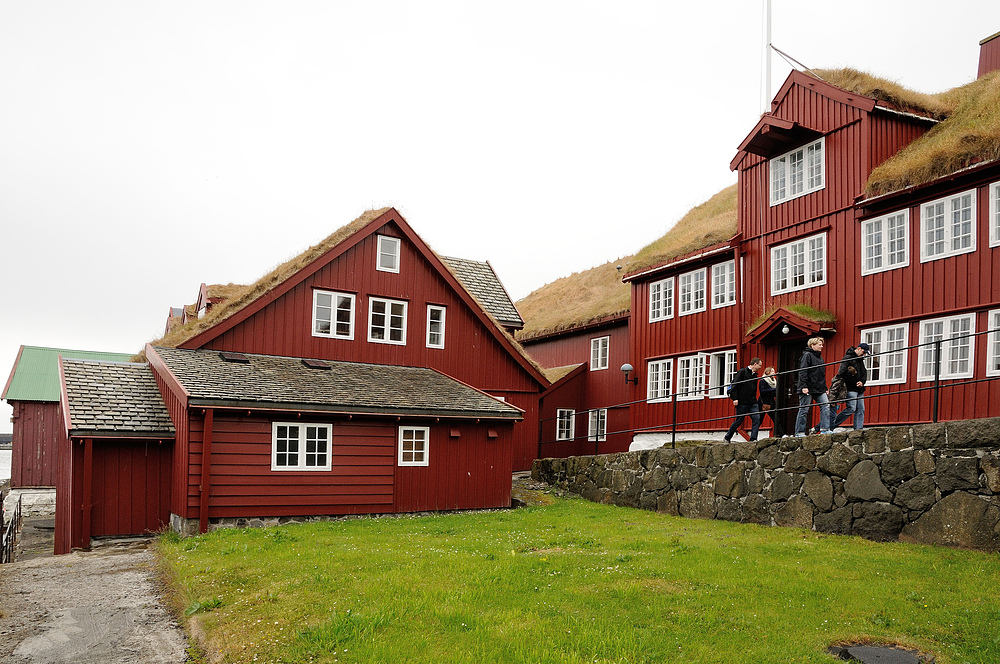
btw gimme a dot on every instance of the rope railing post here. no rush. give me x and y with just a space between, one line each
673 425
937 378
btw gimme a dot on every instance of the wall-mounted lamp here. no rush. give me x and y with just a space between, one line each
785 329
627 369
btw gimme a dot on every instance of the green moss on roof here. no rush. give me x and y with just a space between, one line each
802 309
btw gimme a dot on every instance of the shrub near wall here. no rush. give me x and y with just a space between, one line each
931 483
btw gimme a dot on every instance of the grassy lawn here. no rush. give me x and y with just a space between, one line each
575 582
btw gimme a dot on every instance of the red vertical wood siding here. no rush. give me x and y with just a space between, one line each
38 431
989 56
181 419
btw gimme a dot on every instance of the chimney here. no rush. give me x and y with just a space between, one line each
989 55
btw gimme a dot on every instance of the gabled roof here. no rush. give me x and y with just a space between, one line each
801 317
113 399
270 382
480 279
35 374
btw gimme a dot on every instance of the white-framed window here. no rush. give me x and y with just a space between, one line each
388 254
661 300
435 326
690 377
599 353
298 446
957 349
565 424
386 321
659 377
721 369
333 314
886 360
597 429
995 214
948 226
799 264
414 446
691 295
724 284
885 242
798 172
993 343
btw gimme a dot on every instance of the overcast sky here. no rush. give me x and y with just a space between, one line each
146 147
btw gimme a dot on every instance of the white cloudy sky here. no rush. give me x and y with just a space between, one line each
146 147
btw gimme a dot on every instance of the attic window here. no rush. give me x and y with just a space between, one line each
388 254
234 357
317 364
797 173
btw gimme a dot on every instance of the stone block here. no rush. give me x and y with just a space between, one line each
872 440
745 451
756 509
685 476
864 483
800 461
788 444
756 480
839 460
928 436
837 522
703 456
796 513
923 461
973 433
630 496
881 522
960 519
698 502
731 482
656 479
918 494
957 473
783 485
667 458
647 500
668 503
729 509
688 453
898 439
770 457
898 467
817 444
991 469
819 488
723 454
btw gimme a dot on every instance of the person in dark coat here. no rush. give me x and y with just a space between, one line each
769 400
812 387
744 396
854 373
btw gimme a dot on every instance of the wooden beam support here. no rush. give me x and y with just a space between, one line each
88 490
206 471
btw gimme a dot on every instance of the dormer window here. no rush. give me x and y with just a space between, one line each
797 173
388 254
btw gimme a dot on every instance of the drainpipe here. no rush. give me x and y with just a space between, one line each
206 471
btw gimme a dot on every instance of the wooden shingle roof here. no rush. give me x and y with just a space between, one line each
482 282
114 399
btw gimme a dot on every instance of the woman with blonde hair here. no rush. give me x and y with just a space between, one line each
812 388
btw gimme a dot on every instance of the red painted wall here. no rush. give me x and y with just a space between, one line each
38 431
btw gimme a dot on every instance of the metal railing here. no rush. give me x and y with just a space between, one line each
935 386
11 530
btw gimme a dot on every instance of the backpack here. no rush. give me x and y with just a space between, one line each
838 389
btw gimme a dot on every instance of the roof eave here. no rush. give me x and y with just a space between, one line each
332 409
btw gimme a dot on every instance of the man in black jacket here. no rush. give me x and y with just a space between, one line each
855 381
812 387
744 396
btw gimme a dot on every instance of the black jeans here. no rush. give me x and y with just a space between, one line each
753 410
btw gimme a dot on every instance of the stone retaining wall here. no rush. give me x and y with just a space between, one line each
931 483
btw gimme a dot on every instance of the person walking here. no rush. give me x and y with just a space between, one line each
854 373
812 388
769 400
744 396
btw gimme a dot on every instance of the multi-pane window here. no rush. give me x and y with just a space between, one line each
690 377
948 227
565 424
388 254
297 446
386 321
691 292
599 353
886 359
435 326
414 446
721 369
995 214
661 300
957 347
797 173
799 264
659 376
333 315
724 284
993 343
885 242
597 430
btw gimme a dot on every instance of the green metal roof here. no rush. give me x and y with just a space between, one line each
35 376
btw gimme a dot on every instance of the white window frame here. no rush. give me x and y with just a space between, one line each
804 258
993 343
691 295
885 242
431 310
565 424
691 377
597 428
659 380
418 457
388 328
938 238
334 308
389 247
661 300
599 350
721 370
995 214
952 350
888 348
724 284
302 454
797 172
